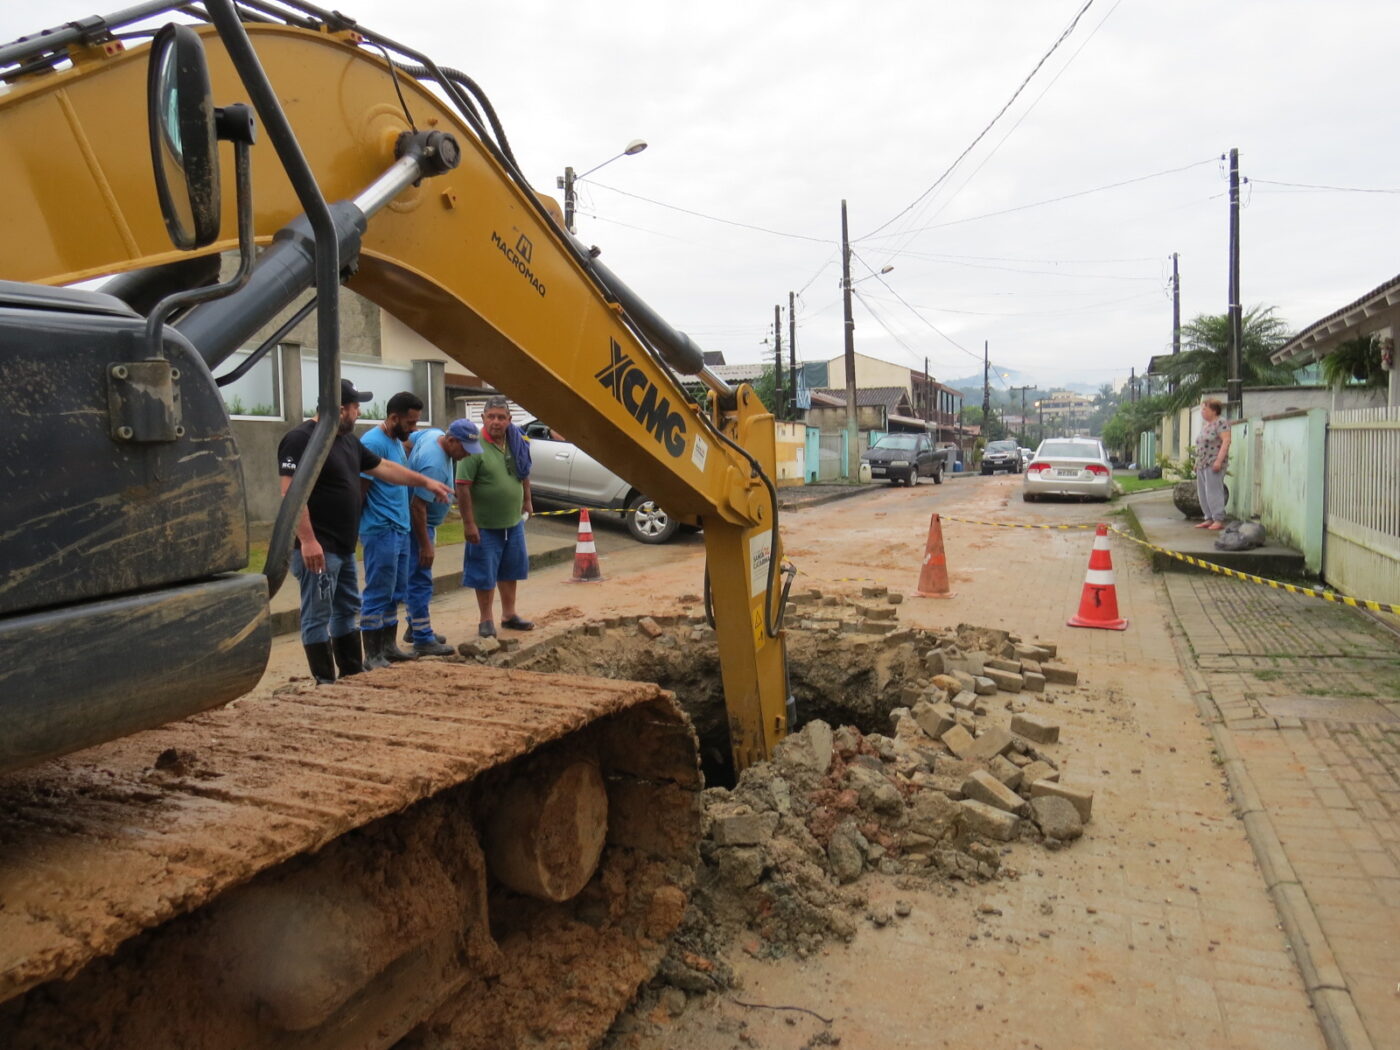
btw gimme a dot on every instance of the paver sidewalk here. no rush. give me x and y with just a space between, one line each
1305 698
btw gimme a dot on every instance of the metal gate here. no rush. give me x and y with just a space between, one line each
1362 552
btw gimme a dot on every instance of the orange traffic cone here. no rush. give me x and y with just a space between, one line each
586 567
933 577
1099 605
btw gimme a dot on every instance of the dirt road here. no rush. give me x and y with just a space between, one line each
1154 930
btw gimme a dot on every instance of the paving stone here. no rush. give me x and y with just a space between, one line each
933 661
983 686
1035 728
649 627
965 701
1056 817
1032 652
876 590
933 719
993 823
1059 674
984 787
1037 770
1007 772
1082 798
954 768
972 663
990 743
744 829
966 683
1033 681
895 598
959 741
1001 664
1051 649
1007 681
479 647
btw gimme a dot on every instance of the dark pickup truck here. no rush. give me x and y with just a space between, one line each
907 458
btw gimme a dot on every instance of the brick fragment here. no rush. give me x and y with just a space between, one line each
984 787
1035 728
1006 681
1059 674
1082 798
874 591
649 627
988 821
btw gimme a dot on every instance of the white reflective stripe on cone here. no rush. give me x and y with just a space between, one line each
1099 577
587 547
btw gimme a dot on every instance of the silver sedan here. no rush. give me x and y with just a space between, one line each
1068 467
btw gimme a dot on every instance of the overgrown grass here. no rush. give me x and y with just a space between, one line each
1131 484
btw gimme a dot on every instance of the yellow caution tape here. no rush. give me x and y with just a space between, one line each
1013 524
1291 588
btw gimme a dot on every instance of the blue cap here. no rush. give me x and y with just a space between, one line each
465 432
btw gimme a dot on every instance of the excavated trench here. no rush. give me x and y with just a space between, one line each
842 679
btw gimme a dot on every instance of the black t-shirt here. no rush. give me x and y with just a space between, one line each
335 498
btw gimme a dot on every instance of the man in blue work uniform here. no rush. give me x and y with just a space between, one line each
432 453
384 530
324 559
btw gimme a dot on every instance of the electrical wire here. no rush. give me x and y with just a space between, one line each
1312 186
713 218
990 124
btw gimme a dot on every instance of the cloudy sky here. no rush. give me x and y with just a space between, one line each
1051 239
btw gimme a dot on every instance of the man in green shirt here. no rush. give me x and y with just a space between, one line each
493 493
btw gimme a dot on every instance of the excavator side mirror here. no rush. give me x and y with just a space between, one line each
184 144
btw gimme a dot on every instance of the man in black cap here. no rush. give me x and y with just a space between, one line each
324 559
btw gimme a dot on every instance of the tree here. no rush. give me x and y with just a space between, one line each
1133 418
1355 361
1204 362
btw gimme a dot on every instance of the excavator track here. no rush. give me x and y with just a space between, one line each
428 855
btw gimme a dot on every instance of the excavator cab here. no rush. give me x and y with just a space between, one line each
122 607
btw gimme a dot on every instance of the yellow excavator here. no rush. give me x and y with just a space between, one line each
437 855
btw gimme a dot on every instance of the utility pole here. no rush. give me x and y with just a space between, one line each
1132 384
777 362
792 355
567 185
1023 390
1176 306
986 391
928 394
1234 391
852 446
1040 406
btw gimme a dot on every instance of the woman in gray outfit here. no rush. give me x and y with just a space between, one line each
1212 453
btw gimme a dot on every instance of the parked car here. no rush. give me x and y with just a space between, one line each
1068 467
906 457
1001 455
1027 454
563 473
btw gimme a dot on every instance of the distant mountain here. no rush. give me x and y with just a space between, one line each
971 386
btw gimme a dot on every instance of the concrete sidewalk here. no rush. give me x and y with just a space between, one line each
1303 700
1164 526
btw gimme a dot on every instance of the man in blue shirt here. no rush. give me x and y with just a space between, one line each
432 453
384 530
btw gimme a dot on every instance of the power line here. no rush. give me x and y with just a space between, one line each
1052 200
715 218
1311 186
982 134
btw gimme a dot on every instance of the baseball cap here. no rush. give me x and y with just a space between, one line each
465 432
349 395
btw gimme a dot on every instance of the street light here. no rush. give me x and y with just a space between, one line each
566 181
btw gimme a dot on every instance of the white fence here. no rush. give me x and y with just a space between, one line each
1362 552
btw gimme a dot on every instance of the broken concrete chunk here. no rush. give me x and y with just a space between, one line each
1035 728
949 683
479 647
1081 798
744 829
1056 817
982 819
846 852
984 787
934 816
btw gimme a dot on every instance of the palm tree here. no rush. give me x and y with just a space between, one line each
1356 360
1204 362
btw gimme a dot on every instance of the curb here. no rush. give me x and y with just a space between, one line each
288 621
1327 990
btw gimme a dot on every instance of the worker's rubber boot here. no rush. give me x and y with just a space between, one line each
433 648
349 654
374 649
408 635
321 660
389 646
